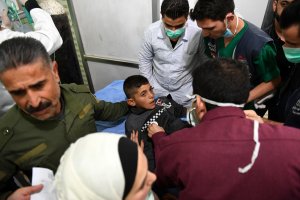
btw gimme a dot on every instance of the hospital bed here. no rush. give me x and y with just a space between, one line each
112 93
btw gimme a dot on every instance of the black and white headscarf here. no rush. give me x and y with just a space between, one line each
96 167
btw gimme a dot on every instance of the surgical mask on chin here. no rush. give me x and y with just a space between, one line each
292 54
192 117
227 32
174 34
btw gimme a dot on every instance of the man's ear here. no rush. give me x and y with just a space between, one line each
200 107
131 102
55 71
230 16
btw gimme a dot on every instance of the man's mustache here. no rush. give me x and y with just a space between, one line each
42 106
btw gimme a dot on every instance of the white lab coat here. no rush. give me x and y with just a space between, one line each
44 30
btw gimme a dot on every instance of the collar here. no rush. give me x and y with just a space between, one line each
223 112
61 114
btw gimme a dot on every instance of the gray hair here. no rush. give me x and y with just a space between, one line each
22 51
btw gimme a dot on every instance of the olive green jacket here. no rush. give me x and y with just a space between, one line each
26 142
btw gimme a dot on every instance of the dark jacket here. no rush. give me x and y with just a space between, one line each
167 114
249 48
292 112
290 81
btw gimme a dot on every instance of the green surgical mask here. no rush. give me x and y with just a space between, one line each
292 54
175 34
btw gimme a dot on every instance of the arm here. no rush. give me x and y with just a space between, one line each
271 122
166 163
110 111
145 57
44 29
263 89
155 129
268 71
251 114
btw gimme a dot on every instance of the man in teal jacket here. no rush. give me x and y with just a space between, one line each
226 35
47 116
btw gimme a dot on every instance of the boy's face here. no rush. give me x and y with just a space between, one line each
143 98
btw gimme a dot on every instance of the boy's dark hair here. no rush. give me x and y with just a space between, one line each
132 83
222 80
20 51
175 8
212 9
291 16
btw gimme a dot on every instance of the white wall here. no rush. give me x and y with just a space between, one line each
252 10
103 73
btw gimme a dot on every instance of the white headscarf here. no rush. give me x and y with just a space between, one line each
91 169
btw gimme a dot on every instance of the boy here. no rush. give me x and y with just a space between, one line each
144 110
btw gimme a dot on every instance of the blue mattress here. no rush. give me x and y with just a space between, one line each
112 93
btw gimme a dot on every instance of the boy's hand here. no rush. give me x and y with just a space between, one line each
154 128
134 136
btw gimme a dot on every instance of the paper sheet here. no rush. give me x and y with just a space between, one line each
43 176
